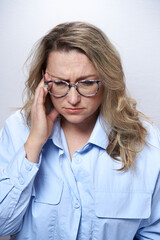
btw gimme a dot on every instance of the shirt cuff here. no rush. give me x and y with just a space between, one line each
20 171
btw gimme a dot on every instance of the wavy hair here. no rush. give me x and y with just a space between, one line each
127 134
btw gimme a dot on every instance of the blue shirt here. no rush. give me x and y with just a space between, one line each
83 199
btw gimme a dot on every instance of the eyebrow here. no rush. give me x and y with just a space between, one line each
78 79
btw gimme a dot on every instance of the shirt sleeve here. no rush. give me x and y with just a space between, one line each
150 228
17 175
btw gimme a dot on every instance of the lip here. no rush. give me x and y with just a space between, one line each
74 110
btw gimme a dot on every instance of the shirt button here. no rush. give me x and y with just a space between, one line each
21 180
76 205
28 167
77 160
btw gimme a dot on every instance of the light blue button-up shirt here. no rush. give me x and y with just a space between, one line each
83 199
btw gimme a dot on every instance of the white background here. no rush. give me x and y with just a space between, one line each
133 26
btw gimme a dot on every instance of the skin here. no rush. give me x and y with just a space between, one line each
78 113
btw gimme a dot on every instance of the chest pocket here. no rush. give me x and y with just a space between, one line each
48 191
123 205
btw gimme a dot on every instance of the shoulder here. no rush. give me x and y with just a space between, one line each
16 120
148 160
15 128
16 116
153 136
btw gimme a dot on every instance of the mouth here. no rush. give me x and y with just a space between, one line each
74 110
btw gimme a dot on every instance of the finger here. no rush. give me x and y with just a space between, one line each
38 108
45 90
37 91
40 97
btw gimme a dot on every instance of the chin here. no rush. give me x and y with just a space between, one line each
75 119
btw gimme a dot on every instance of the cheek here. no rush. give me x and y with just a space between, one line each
100 95
93 104
99 98
56 102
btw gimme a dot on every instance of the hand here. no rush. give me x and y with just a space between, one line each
41 124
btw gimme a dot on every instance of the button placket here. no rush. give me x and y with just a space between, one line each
21 180
76 205
76 159
69 176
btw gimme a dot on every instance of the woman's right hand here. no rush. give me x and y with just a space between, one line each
41 124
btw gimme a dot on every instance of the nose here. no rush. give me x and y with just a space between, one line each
73 97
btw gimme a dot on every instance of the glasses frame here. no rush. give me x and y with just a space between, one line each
69 86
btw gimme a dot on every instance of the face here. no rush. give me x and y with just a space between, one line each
71 67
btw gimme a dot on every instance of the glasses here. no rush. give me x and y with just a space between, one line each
60 88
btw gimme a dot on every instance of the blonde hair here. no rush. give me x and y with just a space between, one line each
127 134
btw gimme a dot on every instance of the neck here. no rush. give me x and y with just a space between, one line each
77 135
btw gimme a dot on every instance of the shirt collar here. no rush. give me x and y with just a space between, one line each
98 136
56 134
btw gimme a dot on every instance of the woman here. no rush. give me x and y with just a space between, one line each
79 161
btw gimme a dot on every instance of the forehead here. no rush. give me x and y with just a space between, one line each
69 63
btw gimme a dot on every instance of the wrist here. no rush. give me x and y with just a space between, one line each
33 150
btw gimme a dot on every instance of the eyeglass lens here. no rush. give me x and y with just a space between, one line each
85 87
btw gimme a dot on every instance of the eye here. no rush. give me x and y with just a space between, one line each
60 83
88 83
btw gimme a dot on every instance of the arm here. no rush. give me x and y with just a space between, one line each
150 228
16 180
17 173
41 125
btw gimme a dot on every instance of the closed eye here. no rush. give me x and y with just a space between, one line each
88 82
59 83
